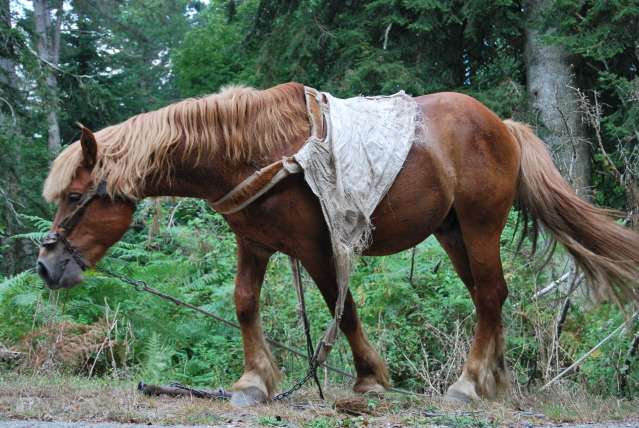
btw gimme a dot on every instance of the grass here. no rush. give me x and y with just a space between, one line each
71 398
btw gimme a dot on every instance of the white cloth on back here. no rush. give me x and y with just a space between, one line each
367 142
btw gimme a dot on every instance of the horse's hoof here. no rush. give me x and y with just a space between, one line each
461 392
369 387
457 397
248 397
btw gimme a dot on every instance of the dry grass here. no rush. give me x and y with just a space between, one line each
78 399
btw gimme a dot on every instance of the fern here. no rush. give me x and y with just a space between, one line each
19 297
157 358
35 237
19 280
41 224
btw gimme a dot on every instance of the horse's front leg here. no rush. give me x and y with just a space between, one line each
259 381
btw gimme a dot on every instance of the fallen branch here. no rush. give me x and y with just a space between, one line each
556 283
547 289
11 356
179 390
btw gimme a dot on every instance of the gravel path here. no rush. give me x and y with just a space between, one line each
41 424
52 402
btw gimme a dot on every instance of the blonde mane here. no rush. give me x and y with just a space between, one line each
239 122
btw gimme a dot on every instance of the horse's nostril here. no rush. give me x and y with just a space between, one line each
48 245
43 271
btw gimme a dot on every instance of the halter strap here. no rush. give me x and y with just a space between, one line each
69 222
260 182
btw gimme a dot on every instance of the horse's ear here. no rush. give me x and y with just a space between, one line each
89 147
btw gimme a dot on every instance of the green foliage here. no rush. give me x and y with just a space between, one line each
156 359
416 46
21 306
322 422
212 54
272 421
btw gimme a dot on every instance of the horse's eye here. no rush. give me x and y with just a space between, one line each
74 197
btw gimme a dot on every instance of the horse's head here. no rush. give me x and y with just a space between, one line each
87 223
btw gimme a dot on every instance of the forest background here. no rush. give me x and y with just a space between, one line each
567 67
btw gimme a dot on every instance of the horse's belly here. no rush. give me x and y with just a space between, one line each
416 204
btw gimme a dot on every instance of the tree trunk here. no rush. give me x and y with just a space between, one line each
550 81
8 74
47 41
8 182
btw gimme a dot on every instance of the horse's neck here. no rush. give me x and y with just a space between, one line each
205 180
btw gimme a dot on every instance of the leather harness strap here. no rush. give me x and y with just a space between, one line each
260 182
316 109
255 186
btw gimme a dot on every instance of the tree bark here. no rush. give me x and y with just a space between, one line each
549 82
47 41
8 181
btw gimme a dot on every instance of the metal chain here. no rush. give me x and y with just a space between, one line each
300 383
299 288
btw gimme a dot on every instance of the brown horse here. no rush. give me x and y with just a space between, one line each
459 184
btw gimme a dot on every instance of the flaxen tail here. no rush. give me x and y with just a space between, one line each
607 252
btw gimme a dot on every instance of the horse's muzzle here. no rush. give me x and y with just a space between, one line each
57 267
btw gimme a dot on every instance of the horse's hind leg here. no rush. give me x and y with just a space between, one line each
450 238
484 374
372 375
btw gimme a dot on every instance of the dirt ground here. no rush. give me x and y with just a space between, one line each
72 399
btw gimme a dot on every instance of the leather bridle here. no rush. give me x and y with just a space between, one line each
69 222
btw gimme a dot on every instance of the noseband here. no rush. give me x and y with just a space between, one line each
69 222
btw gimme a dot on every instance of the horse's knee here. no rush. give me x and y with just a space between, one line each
501 292
246 305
